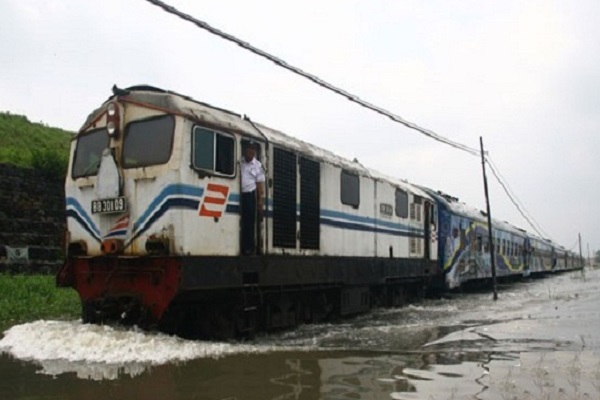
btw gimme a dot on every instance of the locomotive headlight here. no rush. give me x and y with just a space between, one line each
111 128
112 119
111 109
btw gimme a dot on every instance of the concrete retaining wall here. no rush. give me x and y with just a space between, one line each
32 220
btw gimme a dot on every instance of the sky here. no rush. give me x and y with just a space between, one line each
523 75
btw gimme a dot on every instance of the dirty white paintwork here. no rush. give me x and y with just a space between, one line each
161 198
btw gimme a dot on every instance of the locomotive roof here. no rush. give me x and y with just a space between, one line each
229 120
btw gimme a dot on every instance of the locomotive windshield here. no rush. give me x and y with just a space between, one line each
88 152
148 142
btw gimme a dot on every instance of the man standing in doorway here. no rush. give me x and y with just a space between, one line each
253 191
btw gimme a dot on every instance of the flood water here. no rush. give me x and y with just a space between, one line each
540 340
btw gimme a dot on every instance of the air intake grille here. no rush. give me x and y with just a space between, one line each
284 198
310 179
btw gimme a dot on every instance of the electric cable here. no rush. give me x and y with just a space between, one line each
516 203
281 63
513 194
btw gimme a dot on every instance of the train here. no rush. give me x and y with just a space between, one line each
153 236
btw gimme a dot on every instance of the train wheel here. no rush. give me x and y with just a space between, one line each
90 313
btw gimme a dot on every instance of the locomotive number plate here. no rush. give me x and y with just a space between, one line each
109 206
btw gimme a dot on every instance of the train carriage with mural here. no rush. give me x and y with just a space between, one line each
466 250
153 202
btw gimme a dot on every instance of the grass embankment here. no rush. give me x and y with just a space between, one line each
25 298
33 145
29 297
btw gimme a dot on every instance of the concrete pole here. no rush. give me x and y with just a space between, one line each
489 218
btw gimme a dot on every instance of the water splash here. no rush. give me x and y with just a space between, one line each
105 352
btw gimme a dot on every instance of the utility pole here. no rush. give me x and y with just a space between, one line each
580 253
589 258
489 218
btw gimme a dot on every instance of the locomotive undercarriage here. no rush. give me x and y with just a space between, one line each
245 312
227 297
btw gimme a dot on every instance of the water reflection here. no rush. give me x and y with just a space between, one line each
91 370
304 375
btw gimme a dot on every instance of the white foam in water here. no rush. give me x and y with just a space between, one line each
104 352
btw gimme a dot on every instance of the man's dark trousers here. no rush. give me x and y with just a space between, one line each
248 222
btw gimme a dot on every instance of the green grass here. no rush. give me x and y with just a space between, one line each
33 145
25 298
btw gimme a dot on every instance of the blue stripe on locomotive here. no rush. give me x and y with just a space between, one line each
188 197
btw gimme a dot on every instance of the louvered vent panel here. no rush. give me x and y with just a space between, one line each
284 198
310 179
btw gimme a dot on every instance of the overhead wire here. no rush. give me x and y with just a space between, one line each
500 177
355 99
574 245
520 207
278 61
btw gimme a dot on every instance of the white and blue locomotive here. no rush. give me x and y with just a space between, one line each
153 225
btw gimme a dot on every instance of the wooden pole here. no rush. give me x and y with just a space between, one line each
489 218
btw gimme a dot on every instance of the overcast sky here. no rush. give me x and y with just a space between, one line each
525 75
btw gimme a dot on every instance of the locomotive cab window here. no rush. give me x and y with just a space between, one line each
213 151
401 203
148 142
350 189
88 152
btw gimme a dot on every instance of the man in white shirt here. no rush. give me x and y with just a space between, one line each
253 190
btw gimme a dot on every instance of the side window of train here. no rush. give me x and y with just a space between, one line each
350 189
213 151
401 203
416 210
